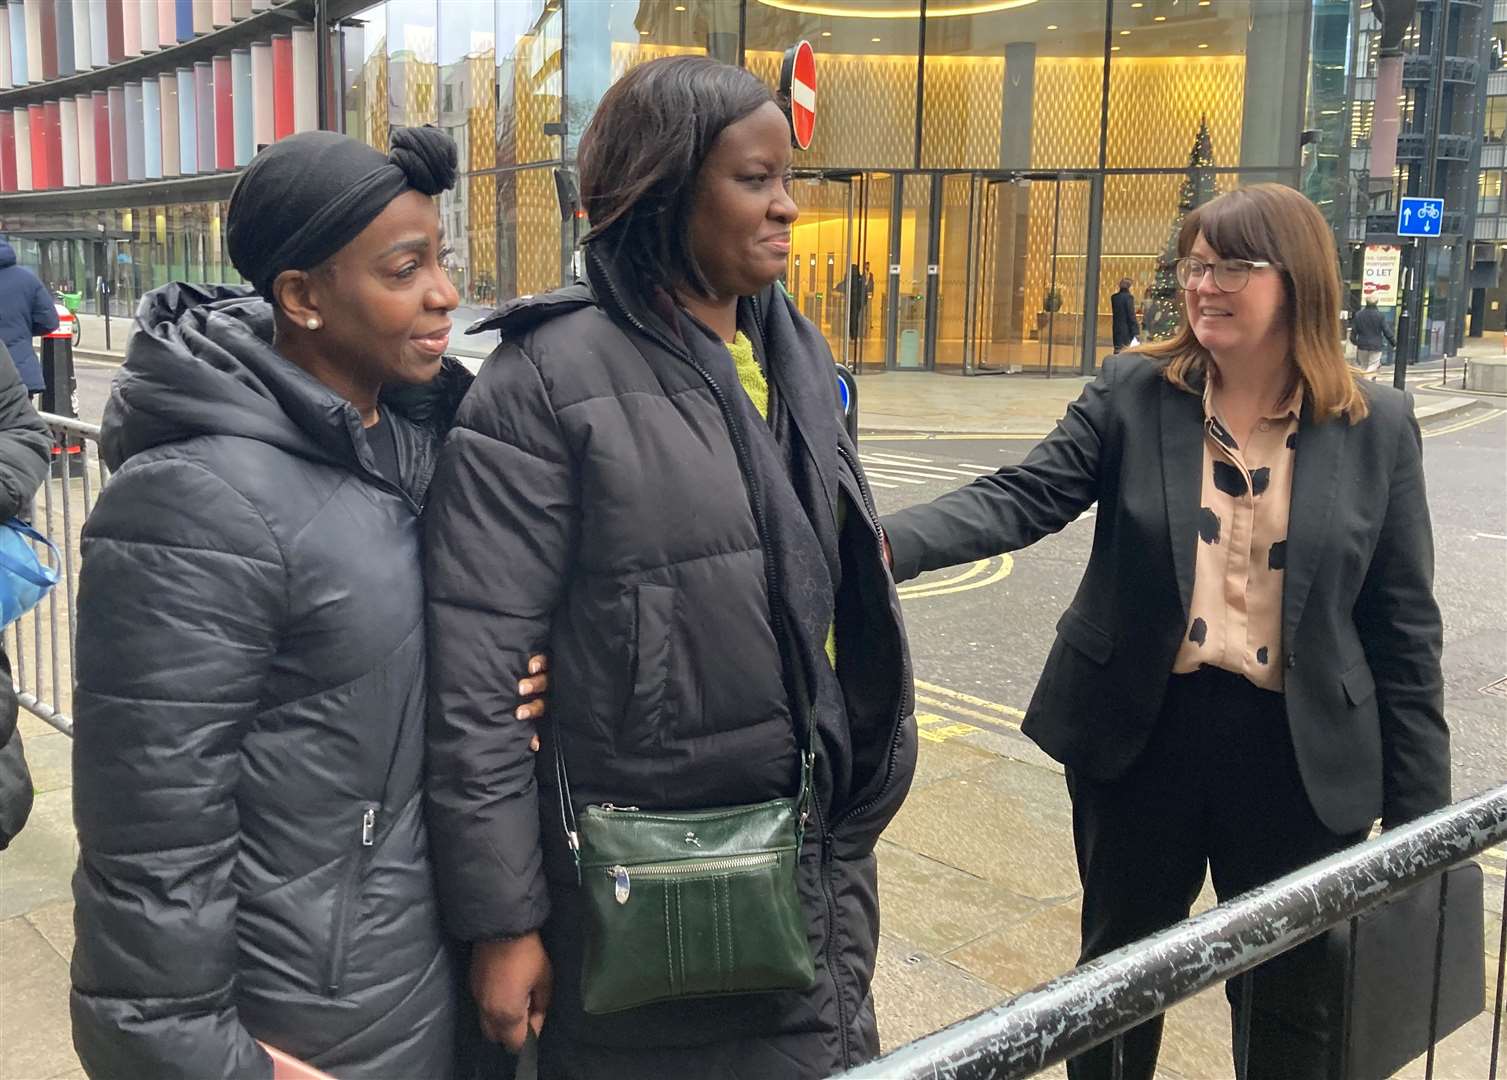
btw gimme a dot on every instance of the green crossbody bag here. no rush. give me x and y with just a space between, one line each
689 903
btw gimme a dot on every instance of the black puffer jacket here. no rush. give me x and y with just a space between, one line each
249 729
590 500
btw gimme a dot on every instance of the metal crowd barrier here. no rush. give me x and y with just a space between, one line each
40 643
1100 1001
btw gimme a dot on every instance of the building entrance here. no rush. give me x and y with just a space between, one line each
964 272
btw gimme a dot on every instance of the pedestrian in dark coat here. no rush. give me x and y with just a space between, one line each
254 865
27 310
25 449
651 477
1123 326
1371 335
1250 673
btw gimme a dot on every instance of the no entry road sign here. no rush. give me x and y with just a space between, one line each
1419 217
798 87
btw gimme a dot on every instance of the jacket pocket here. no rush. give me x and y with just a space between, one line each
1359 684
342 915
1095 643
653 625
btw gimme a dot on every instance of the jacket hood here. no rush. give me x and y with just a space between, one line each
7 255
201 362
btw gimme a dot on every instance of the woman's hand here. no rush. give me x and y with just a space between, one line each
532 691
512 982
288 1067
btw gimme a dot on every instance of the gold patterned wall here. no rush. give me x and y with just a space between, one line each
536 96
538 230
481 190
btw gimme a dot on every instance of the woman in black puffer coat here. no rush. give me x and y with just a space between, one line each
651 476
254 866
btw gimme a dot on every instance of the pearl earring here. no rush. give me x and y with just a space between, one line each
313 324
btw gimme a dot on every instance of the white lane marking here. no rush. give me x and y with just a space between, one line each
934 472
894 476
908 458
1490 536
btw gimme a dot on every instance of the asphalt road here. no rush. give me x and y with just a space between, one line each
982 632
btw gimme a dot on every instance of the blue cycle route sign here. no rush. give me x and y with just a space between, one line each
1419 217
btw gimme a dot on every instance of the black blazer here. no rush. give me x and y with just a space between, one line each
1122 322
1361 631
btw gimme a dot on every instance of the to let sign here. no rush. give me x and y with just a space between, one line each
798 89
1380 277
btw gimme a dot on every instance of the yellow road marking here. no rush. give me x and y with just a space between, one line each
969 699
973 714
934 728
979 436
973 571
1450 429
962 583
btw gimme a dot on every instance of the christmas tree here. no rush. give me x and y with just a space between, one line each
1165 303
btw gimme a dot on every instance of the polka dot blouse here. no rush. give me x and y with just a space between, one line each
1235 621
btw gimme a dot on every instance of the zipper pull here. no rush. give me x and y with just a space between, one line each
619 809
368 826
620 884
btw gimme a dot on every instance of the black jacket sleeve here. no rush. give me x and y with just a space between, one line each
180 597
500 531
1403 636
16 789
1018 505
25 444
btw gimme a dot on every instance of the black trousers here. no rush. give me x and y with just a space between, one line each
1217 787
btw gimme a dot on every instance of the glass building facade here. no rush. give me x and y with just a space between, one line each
983 174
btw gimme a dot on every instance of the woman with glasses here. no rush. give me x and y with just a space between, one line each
1249 674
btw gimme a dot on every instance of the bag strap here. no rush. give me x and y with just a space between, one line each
29 573
805 706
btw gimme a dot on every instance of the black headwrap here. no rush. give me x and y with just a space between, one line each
306 196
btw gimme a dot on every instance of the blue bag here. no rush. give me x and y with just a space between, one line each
24 579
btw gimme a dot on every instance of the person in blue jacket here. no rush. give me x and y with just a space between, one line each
26 311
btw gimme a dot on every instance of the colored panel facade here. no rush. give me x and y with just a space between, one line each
7 74
47 28
224 114
219 12
84 105
15 18
305 79
188 123
7 151
167 90
52 120
282 85
136 150
63 24
203 16
68 139
240 82
240 9
115 31
83 45
99 33
204 115
167 23
148 14
185 19
151 129
261 94
118 172
21 122
32 17
36 133
102 164
130 28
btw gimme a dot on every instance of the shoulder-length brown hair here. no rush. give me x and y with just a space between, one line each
1273 223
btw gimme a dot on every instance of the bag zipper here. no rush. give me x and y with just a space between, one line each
340 923
622 875
682 815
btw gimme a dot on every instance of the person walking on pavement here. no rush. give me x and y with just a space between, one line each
651 475
1123 326
1250 672
27 310
1371 334
248 755
25 453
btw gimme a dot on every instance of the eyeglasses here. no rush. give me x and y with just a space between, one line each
1230 275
